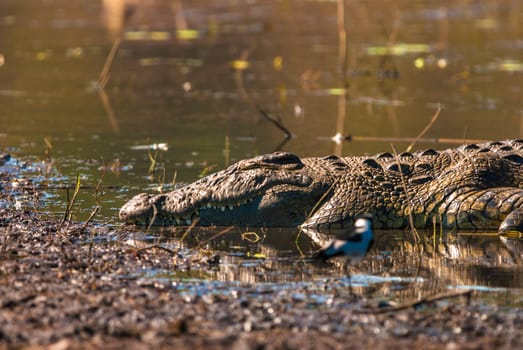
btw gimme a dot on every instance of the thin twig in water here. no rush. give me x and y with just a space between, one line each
429 125
275 122
66 187
91 244
216 235
104 74
156 246
153 159
321 199
247 236
343 67
98 186
194 223
68 210
227 152
421 301
151 223
109 110
173 182
296 243
411 139
90 218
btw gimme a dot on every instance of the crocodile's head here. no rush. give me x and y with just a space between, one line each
271 190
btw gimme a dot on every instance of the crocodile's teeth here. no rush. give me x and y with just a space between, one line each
188 222
231 207
222 208
209 206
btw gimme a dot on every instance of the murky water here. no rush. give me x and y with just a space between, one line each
184 93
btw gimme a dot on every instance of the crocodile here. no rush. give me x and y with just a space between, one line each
471 187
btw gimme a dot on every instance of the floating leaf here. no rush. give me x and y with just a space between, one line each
74 52
256 255
282 92
419 63
159 36
486 23
135 35
510 66
153 146
8 20
43 55
187 34
149 61
277 63
145 35
398 49
205 171
336 91
188 62
240 64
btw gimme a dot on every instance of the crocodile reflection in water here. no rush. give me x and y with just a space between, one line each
475 186
393 265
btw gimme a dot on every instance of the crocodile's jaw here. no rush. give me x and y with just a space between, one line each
150 210
270 190
271 208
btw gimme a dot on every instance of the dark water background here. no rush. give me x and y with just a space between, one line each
193 75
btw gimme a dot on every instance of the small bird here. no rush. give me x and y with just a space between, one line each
354 247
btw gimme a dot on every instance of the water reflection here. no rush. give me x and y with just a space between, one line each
395 267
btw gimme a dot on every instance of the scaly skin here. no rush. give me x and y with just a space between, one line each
471 187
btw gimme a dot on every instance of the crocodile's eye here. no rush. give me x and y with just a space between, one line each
285 159
274 161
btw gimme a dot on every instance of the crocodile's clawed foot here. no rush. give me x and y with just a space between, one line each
513 223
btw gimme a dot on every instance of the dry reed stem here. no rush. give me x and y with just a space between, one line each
404 184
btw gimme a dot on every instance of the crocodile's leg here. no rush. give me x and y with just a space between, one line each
469 209
485 209
513 222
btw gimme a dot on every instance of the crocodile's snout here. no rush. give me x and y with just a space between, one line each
137 209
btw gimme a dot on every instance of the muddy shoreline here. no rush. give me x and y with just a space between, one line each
71 285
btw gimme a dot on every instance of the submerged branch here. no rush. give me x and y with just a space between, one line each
276 122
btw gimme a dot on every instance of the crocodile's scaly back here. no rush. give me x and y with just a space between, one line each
475 186
471 187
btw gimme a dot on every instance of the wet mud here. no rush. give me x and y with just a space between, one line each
66 284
